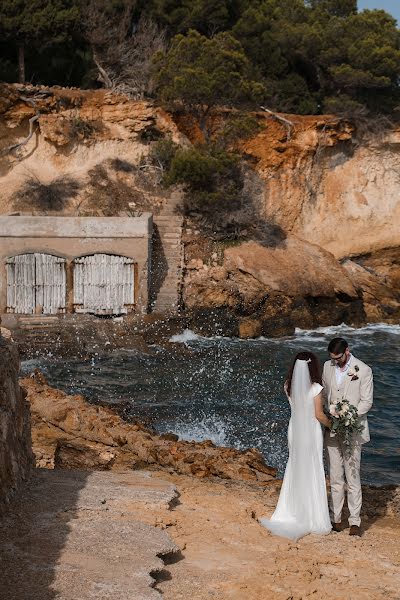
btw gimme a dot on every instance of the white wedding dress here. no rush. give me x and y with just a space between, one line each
302 506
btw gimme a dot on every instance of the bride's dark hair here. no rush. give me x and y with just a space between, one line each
313 367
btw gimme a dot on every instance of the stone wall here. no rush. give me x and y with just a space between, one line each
16 457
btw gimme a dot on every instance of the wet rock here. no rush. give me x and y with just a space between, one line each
70 433
377 276
5 333
172 437
271 290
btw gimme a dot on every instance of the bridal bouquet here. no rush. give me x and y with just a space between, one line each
345 421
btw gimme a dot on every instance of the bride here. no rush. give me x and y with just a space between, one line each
302 506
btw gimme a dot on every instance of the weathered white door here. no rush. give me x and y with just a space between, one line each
104 284
36 283
21 284
50 283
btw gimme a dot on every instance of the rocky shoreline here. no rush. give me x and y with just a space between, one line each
333 198
70 433
255 291
220 550
85 337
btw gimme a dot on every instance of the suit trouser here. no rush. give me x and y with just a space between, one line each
344 468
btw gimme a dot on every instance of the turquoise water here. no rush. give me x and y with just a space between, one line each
230 390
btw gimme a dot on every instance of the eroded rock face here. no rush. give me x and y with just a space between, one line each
332 192
78 131
70 433
329 188
385 264
16 458
270 291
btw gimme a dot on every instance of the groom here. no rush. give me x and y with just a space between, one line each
346 377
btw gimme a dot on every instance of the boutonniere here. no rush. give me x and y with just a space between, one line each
353 374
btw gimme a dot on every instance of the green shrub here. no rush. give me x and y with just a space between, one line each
198 74
81 129
163 152
211 178
238 126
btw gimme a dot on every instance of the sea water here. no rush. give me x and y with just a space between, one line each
231 391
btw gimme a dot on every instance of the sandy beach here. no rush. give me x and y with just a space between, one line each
227 555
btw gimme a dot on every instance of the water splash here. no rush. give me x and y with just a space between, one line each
200 429
331 330
187 336
230 391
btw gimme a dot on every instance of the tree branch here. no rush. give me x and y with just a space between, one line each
103 77
288 124
32 120
123 53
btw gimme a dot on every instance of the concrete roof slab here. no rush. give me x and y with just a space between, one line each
76 227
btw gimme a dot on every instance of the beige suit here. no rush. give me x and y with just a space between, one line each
345 468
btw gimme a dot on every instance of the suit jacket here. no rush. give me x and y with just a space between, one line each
358 392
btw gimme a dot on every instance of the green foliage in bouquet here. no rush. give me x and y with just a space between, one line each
345 422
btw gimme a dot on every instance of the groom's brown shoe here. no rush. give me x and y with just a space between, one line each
337 526
355 530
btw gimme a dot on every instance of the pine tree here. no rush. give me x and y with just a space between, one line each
336 8
34 24
202 73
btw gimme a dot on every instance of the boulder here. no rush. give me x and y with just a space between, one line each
294 268
271 290
381 301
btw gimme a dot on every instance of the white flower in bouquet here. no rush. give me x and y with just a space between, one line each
345 422
344 410
332 411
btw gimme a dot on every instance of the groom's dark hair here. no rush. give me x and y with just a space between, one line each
337 346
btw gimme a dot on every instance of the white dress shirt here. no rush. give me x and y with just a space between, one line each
341 372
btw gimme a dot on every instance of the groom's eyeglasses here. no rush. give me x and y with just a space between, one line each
337 358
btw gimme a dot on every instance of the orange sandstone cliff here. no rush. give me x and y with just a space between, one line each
333 192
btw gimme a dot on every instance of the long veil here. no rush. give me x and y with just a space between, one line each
302 505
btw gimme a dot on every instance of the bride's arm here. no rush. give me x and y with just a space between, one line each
319 411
